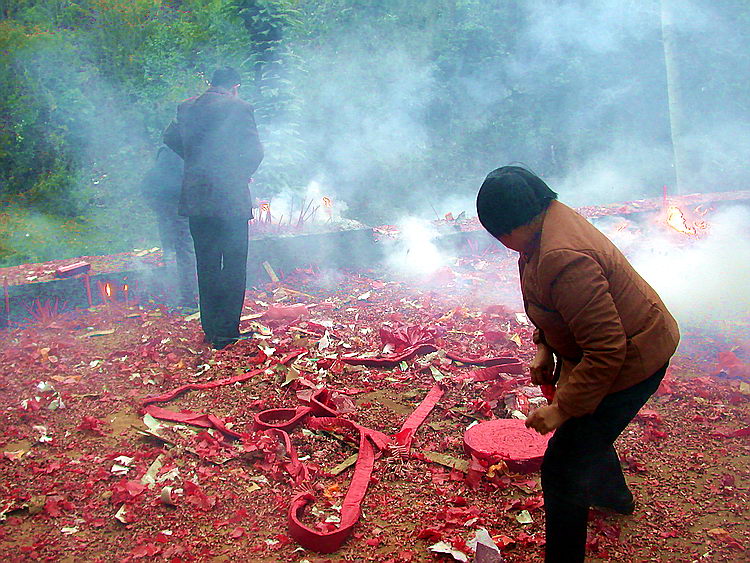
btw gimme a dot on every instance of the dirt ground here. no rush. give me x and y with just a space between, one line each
85 477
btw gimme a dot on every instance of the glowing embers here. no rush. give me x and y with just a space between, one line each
264 208
675 218
111 293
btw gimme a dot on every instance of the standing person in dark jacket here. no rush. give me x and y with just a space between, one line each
599 327
161 189
216 135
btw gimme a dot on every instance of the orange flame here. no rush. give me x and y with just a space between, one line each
327 201
108 289
265 206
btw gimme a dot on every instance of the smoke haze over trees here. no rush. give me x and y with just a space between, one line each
393 106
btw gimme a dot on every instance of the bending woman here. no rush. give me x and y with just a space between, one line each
603 336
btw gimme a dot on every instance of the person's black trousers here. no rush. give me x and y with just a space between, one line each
581 469
221 261
174 232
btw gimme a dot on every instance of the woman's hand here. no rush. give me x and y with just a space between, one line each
542 366
546 419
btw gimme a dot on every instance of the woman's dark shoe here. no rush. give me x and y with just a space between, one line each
625 508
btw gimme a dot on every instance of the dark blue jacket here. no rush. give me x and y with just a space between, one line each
162 184
216 135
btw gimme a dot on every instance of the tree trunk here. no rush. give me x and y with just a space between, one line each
673 93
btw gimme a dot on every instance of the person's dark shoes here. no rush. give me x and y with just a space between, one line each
625 507
220 343
185 308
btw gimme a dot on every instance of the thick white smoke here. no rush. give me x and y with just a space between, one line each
706 283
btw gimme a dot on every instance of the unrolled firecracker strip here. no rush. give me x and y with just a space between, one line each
372 443
320 413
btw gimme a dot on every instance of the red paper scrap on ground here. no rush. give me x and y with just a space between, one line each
278 312
405 336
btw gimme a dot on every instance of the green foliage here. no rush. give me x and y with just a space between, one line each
393 103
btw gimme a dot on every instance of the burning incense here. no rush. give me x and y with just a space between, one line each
7 297
314 211
87 285
105 292
303 213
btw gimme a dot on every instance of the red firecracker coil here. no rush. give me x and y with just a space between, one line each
508 440
72 270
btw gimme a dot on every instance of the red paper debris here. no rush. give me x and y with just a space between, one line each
195 496
93 425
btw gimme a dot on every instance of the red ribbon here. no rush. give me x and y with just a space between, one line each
169 395
405 436
194 418
287 419
391 360
292 355
487 361
351 508
371 442
319 414
492 372
509 364
548 390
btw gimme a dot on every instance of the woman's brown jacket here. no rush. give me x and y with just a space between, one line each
593 310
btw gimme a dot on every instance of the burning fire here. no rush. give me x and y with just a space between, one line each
108 290
676 219
327 202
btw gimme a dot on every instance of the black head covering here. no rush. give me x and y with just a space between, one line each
511 196
225 77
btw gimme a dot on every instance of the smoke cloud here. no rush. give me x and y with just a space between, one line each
704 284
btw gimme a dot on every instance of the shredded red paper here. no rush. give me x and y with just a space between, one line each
391 370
